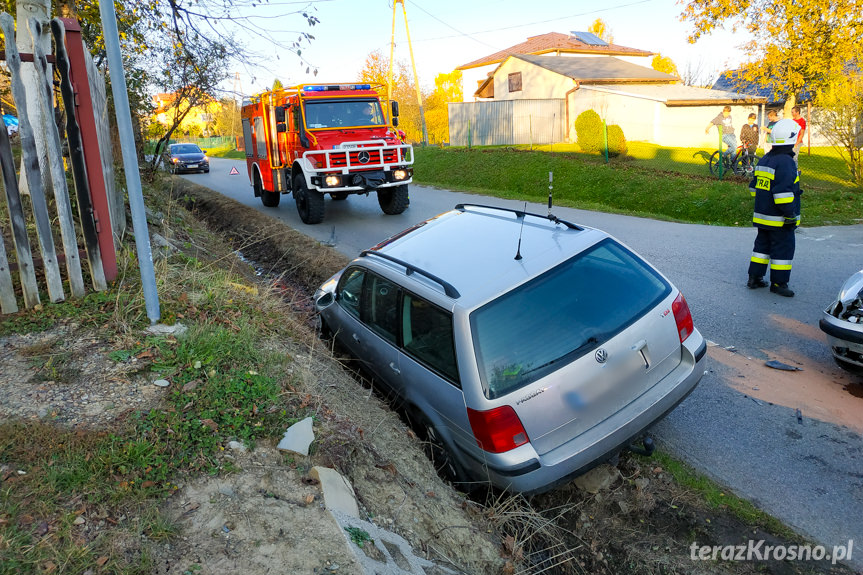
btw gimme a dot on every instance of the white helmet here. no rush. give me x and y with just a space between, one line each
784 133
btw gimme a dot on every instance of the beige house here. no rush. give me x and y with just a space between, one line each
647 104
580 44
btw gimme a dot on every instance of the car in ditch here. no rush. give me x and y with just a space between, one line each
842 321
524 348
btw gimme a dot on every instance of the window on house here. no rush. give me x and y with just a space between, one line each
515 82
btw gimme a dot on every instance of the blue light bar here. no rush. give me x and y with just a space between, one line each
330 87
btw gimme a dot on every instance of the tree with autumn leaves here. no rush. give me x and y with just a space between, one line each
797 46
447 89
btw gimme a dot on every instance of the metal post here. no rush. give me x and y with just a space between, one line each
416 78
390 70
721 155
130 159
605 139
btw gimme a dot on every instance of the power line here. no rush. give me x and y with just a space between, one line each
557 19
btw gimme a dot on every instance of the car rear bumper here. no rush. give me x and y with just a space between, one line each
523 470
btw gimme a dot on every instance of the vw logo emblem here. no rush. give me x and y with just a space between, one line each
601 356
363 157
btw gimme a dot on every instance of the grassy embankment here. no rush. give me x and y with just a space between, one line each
636 185
227 383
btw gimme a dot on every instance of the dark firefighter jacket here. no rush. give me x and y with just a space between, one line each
776 188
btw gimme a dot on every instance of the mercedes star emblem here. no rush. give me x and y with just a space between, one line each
363 157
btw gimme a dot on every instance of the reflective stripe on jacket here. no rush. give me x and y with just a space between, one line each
776 188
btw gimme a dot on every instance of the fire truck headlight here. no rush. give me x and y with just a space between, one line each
399 174
332 181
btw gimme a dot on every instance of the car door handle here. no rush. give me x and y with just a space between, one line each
356 338
396 370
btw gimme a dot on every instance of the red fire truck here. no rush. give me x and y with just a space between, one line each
317 139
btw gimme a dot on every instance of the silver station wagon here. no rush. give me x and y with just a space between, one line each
525 348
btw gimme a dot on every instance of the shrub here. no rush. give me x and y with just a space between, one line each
588 130
616 141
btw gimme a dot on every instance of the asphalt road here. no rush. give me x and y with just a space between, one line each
806 471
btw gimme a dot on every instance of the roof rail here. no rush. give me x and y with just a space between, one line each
521 214
448 288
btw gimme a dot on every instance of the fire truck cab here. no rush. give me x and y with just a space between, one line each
317 139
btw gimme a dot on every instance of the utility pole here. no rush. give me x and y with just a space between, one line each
413 66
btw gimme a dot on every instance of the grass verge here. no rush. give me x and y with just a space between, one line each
622 186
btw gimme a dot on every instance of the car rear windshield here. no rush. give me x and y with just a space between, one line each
559 316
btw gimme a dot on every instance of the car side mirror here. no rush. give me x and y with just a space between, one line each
325 301
281 128
395 108
280 113
203 151
395 121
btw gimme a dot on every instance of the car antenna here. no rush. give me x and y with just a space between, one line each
523 216
550 180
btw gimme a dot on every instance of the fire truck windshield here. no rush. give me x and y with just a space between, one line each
324 114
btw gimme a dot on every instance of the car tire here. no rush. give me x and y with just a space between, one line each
394 201
310 203
269 199
207 170
339 196
440 455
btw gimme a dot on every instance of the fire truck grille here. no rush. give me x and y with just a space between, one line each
370 155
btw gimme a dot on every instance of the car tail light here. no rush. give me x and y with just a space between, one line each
683 317
498 429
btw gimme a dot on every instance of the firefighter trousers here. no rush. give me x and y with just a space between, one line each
776 248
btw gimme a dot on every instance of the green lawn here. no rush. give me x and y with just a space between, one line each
821 167
638 185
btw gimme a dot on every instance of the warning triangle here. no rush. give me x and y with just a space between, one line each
234 171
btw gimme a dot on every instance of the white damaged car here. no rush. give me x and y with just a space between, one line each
843 324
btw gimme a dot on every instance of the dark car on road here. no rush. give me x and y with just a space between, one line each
186 158
525 349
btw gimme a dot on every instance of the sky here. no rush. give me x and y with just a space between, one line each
445 34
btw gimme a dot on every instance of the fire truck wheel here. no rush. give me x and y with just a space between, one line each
394 201
269 199
310 203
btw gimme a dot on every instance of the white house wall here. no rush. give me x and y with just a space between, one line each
652 121
536 83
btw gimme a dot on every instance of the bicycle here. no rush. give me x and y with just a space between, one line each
742 164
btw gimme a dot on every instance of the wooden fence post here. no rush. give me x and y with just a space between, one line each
55 161
29 155
29 287
76 156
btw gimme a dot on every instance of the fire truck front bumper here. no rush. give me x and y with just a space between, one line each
362 181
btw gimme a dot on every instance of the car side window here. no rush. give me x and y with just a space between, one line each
381 307
350 291
428 335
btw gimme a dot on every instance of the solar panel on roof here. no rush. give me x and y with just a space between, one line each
589 39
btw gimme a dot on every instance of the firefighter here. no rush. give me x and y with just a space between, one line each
776 188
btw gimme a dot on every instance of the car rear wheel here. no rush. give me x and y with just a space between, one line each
438 452
394 201
310 203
